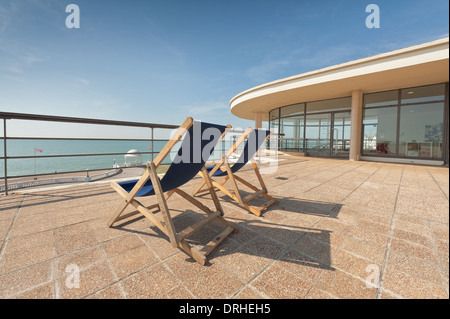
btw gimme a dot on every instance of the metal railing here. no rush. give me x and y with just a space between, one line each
29 179
291 144
6 116
303 145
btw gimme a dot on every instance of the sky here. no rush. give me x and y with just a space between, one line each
161 61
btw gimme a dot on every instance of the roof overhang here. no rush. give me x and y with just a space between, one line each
413 66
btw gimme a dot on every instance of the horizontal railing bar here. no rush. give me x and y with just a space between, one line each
70 172
72 155
83 139
51 118
68 155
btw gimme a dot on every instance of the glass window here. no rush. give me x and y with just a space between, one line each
274 114
318 128
423 94
381 99
341 132
293 109
329 105
273 125
380 131
421 130
292 128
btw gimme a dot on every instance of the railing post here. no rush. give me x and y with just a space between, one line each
153 144
6 157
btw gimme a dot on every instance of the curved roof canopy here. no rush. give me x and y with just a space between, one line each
413 66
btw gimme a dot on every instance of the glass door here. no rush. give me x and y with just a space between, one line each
318 134
328 134
292 128
341 134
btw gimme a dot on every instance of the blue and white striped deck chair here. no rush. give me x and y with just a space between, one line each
199 141
254 139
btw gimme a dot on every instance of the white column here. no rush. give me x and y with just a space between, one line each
356 126
258 119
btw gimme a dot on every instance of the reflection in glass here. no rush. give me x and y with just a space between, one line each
423 94
344 103
421 130
380 131
341 133
292 128
381 99
318 127
293 109
274 126
274 114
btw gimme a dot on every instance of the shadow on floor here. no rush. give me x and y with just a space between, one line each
255 237
292 205
54 196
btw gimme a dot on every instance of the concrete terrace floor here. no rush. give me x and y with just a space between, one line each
338 226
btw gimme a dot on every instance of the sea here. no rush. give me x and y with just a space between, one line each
39 164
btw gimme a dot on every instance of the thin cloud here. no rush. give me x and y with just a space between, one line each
8 11
30 58
264 71
300 60
80 82
333 55
20 63
207 108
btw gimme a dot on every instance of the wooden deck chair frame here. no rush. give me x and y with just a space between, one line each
177 239
234 179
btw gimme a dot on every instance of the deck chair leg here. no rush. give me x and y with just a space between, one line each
192 200
210 174
128 197
117 213
226 191
210 186
234 184
255 189
222 182
140 208
258 192
199 188
258 175
193 252
133 213
197 203
162 204
200 254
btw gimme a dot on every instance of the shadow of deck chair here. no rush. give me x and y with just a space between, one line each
197 145
254 139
